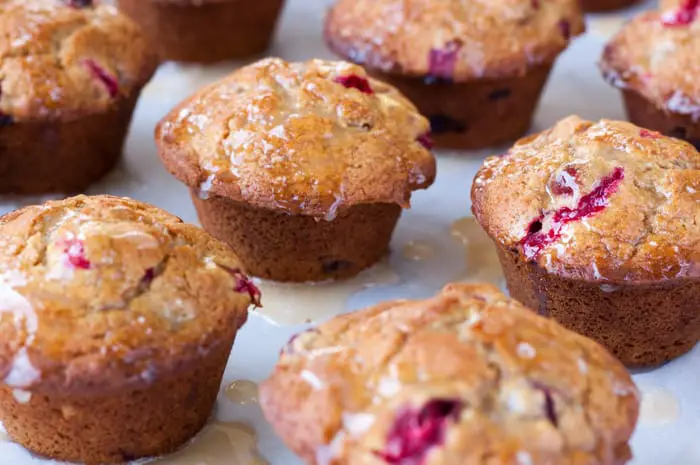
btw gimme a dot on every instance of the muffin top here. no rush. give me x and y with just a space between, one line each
311 138
102 292
598 201
656 55
450 380
453 39
66 58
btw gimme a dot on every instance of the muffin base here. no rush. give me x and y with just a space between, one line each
63 156
300 248
644 113
121 426
208 31
597 6
642 324
477 114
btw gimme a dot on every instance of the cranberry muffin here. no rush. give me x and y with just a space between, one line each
466 377
597 226
598 6
206 31
476 69
70 75
302 168
116 323
653 60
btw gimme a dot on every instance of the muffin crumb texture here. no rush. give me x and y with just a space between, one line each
655 55
63 59
313 138
103 293
453 40
600 200
469 376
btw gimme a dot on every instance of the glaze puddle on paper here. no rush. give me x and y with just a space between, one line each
480 256
242 392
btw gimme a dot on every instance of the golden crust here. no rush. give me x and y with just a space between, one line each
531 391
102 292
290 137
58 61
658 61
644 227
497 38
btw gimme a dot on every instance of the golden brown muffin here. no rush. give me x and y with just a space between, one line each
597 6
475 68
466 377
597 226
302 168
116 322
653 60
70 75
206 31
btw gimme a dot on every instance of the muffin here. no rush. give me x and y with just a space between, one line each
206 31
653 61
302 168
466 377
476 69
116 323
597 226
70 74
597 6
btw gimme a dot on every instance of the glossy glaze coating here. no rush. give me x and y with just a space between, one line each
453 39
656 55
495 384
102 293
311 138
605 201
63 61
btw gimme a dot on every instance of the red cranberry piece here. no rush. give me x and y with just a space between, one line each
5 120
565 28
441 62
353 81
426 141
415 432
535 4
536 238
686 13
75 254
565 182
244 285
79 3
549 409
647 134
109 81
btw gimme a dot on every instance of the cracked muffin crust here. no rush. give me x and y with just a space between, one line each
653 61
602 232
468 376
70 75
117 320
206 31
302 168
475 68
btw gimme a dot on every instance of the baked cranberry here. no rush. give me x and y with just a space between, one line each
5 120
109 81
535 4
79 3
566 182
442 62
353 81
536 239
565 28
75 254
686 13
647 134
415 432
426 141
549 408
243 284
500 94
441 124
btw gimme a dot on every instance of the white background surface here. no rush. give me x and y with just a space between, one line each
575 87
